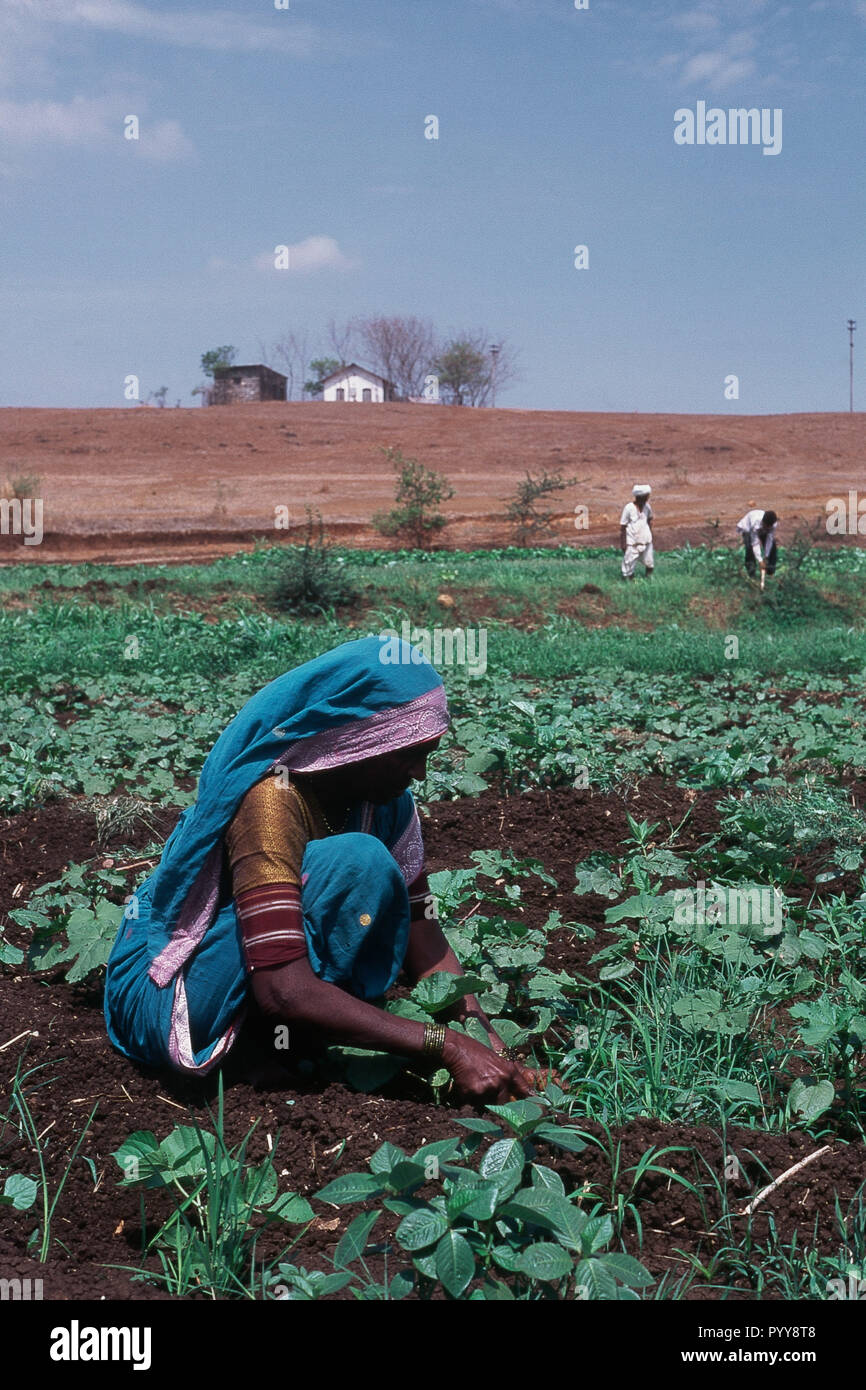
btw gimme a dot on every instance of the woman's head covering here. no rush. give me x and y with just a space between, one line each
346 705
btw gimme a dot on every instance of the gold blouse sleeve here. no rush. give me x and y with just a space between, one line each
265 841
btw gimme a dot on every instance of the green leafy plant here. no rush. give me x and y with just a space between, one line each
23 1192
505 1222
312 577
418 493
72 922
224 1204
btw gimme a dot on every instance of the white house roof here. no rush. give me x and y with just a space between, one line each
361 371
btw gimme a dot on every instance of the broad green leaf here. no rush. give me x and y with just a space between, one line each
494 1291
292 1207
628 1270
597 879
593 1281
822 1017
507 1258
440 990
520 1115
641 905
184 1152
137 1157
547 1177
738 1091
259 1185
542 1207
9 954
353 1243
91 934
421 1228
544 1261
441 1150
332 1283
386 1157
478 1126
426 1265
478 1203
505 1154
351 1187
810 1098
618 971
401 1285
407 1008
367 1071
455 1263
405 1175
563 1136
20 1191
596 1234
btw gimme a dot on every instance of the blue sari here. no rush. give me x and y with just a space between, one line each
176 981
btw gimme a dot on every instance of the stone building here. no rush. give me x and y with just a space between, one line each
239 385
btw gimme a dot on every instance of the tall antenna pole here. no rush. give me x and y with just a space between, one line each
851 327
494 353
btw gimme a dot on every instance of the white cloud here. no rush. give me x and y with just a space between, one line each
164 142
717 65
718 69
89 123
695 21
313 253
219 30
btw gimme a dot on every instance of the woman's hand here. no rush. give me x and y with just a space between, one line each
481 1074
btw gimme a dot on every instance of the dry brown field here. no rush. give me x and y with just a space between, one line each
146 484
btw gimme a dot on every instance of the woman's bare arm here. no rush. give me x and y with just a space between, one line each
294 994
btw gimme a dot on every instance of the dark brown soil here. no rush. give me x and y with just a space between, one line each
98 1224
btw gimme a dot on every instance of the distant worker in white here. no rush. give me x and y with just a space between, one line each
758 529
635 532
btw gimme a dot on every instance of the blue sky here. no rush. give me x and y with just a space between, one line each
305 127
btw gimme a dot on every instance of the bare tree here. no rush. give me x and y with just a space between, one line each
291 354
340 339
400 349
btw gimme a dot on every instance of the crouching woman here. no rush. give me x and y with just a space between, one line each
295 886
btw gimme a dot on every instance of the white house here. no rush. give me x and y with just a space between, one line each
354 383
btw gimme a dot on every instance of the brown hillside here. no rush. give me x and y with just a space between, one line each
146 483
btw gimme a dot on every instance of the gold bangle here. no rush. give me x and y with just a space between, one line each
434 1039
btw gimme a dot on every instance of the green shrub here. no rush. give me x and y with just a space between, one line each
311 577
419 490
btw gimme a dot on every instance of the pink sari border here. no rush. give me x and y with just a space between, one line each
416 722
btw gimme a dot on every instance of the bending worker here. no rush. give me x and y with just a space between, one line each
295 887
758 529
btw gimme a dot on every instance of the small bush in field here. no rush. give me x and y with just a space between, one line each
528 519
311 576
419 491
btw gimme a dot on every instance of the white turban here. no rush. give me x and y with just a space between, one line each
641 488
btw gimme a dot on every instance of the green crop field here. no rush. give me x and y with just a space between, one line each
699 978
